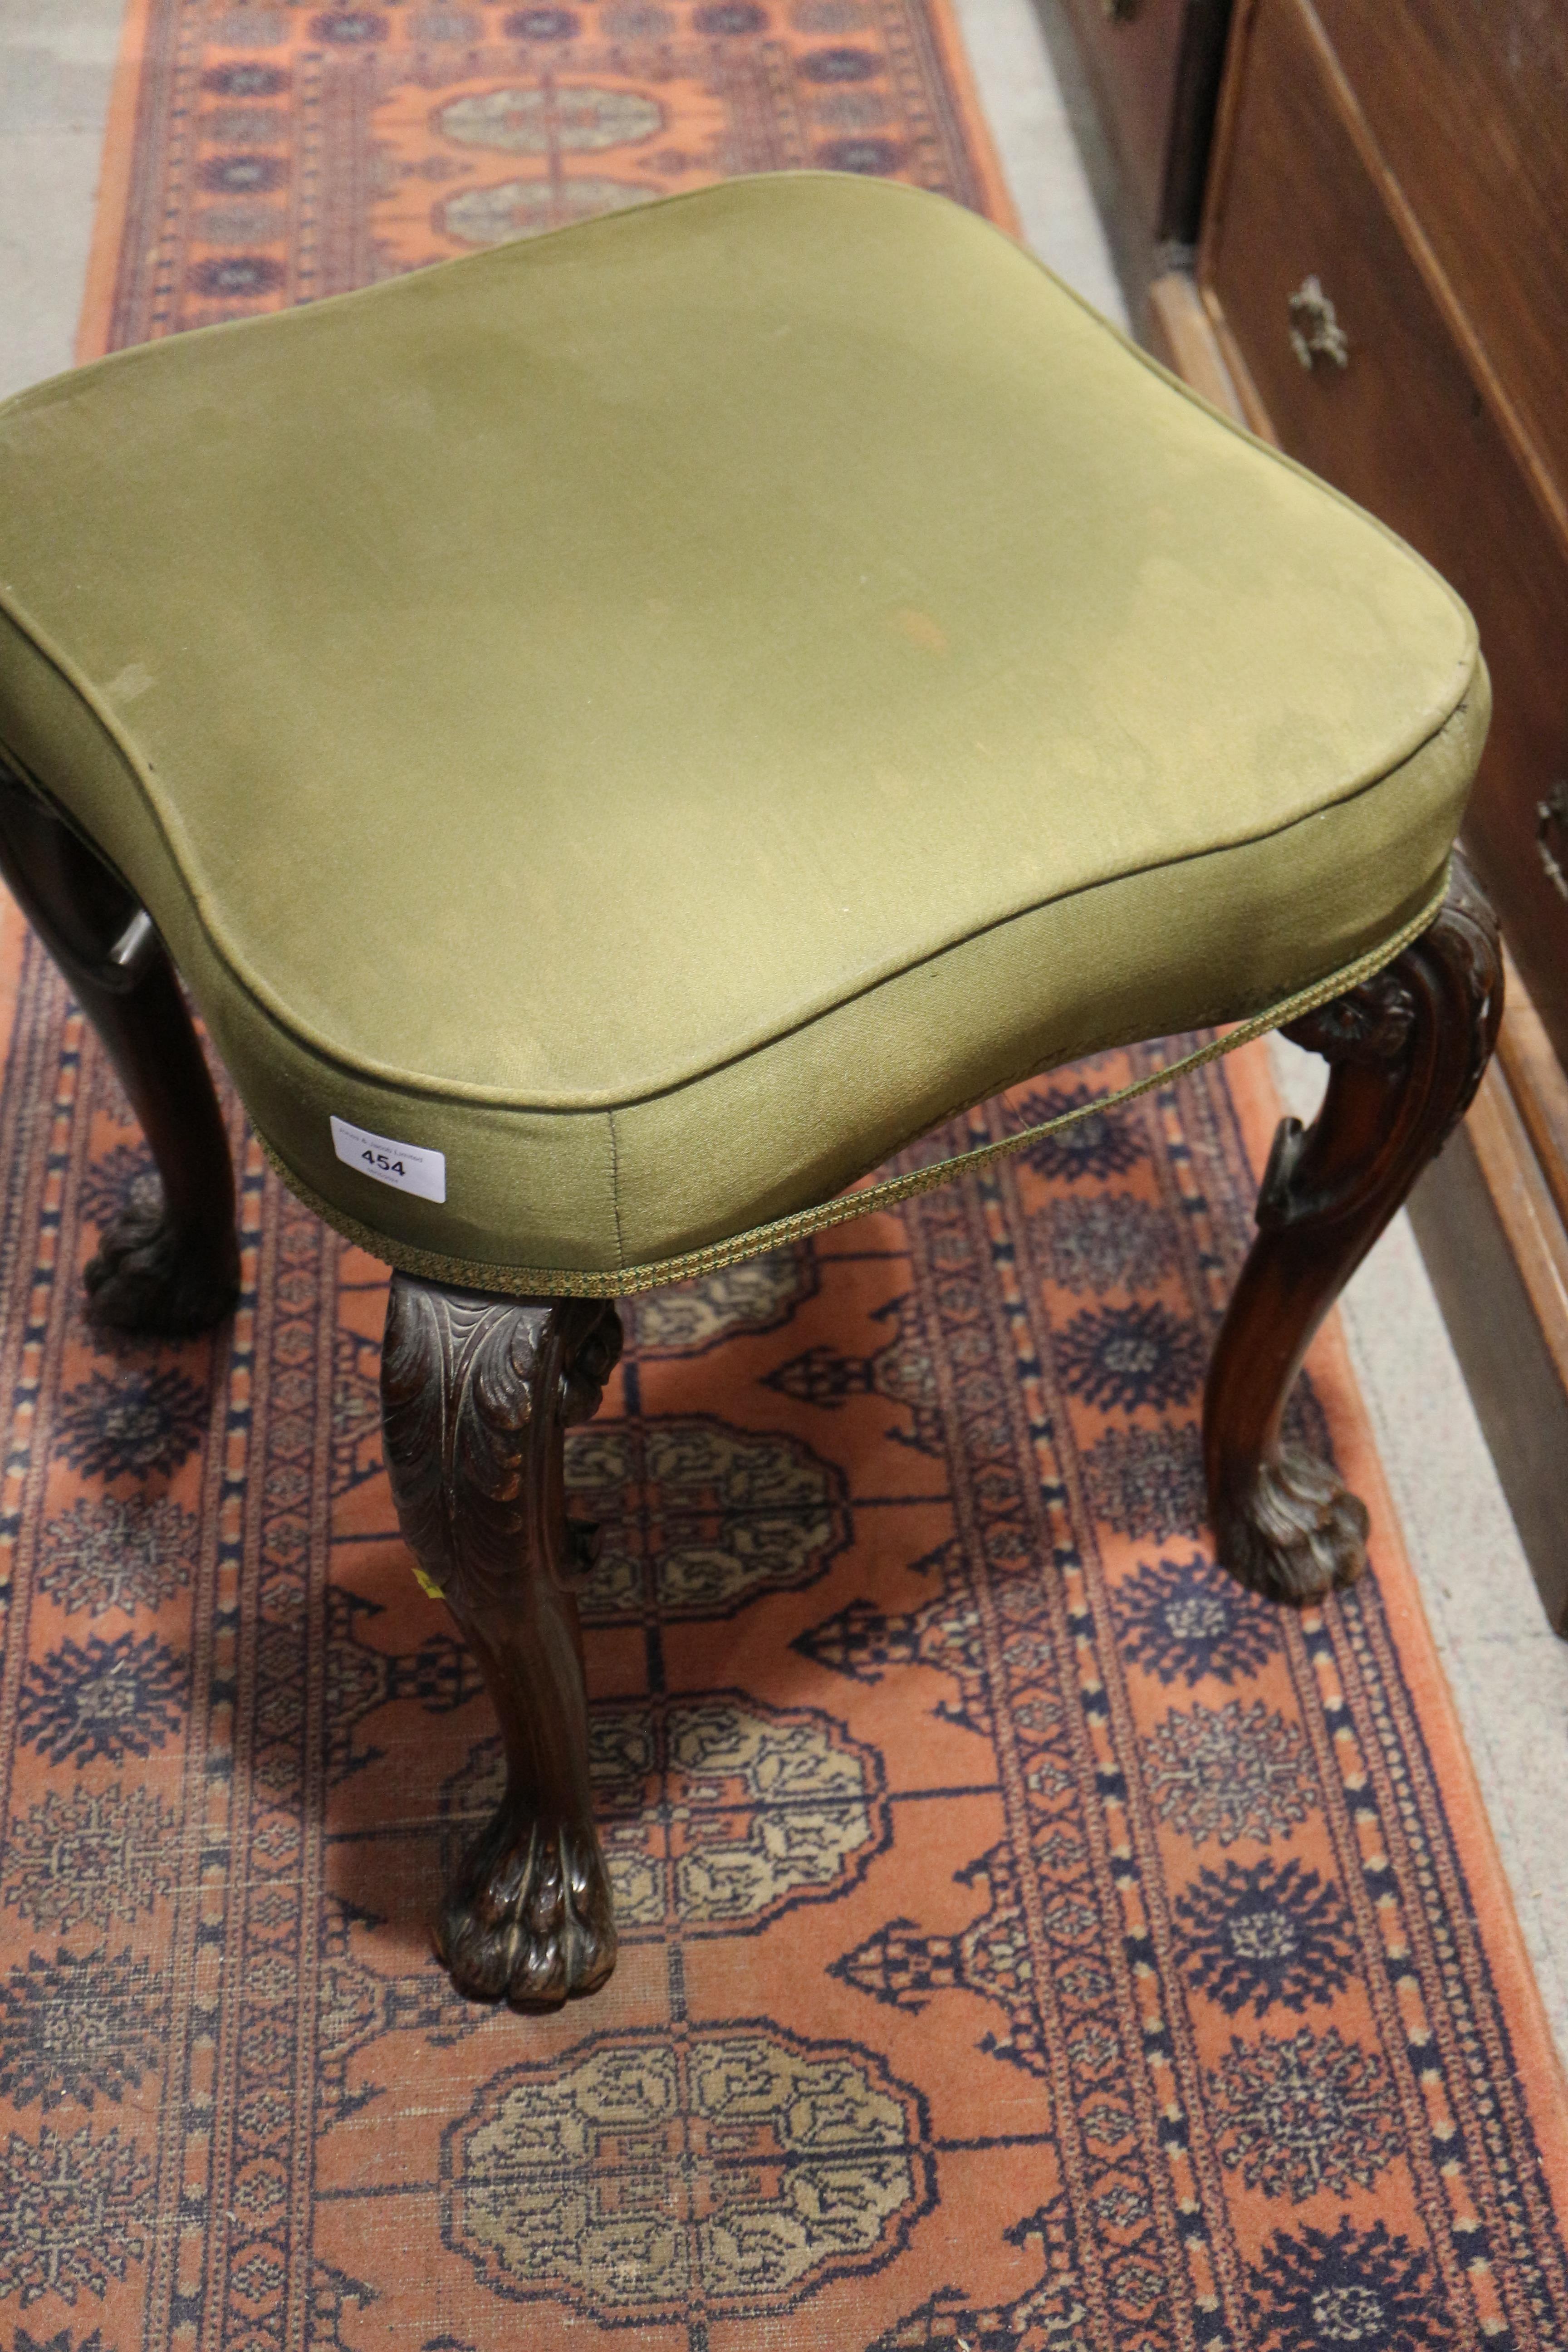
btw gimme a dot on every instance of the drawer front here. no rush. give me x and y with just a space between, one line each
1467 105
1402 427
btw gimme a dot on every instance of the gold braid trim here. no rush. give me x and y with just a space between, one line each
622 1282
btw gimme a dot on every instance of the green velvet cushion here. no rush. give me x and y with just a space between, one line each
661 713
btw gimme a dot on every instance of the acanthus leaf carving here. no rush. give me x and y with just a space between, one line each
476 1394
1406 1050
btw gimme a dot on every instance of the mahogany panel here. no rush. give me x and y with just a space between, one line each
1468 105
1401 425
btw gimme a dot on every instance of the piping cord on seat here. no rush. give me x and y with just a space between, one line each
626 1281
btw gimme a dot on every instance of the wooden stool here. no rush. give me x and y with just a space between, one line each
621 733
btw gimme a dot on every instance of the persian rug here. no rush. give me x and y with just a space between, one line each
262 154
1030 1942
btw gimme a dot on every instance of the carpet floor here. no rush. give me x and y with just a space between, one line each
1029 1940
261 155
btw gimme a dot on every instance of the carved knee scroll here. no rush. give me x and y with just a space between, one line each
1406 1050
476 1394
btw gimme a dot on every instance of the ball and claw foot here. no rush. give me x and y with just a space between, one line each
1295 1533
526 1918
148 1277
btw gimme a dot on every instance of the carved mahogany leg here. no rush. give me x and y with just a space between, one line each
1406 1051
476 1394
174 1269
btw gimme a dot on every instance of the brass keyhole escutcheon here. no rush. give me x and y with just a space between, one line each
1315 330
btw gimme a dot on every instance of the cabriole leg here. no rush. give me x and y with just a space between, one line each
477 1392
172 1270
1405 1050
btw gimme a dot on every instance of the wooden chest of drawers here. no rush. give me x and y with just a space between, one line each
1384 263
1383 287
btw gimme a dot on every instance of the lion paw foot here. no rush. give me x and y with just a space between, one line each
1295 1534
150 1276
528 1918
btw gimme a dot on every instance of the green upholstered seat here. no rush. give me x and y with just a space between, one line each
662 713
